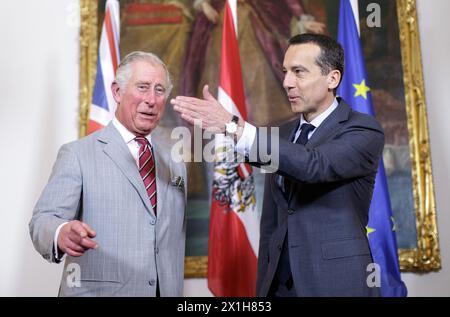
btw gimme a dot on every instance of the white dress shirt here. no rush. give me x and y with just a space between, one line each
245 142
317 121
129 139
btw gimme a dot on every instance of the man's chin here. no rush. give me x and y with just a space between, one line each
297 108
148 123
146 129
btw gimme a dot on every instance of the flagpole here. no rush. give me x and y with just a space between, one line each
233 8
355 9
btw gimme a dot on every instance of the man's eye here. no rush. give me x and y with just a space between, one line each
160 90
142 87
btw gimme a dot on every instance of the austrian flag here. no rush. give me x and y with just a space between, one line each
234 224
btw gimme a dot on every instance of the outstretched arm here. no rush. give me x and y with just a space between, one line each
207 113
60 203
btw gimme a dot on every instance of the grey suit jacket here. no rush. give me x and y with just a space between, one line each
96 180
325 215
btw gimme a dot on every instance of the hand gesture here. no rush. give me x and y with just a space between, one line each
75 238
207 111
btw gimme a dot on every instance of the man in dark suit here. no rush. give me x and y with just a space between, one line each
315 211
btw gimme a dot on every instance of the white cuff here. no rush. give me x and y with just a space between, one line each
55 243
246 140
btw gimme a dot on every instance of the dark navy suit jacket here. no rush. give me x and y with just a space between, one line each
326 214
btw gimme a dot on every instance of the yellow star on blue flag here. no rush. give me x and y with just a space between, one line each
361 89
369 230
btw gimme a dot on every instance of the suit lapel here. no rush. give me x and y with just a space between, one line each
277 193
328 128
330 125
287 132
162 164
120 154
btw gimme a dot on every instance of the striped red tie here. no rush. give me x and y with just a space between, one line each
147 169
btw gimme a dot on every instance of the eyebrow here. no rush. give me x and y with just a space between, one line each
301 68
148 83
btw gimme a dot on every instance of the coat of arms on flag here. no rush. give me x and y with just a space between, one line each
233 182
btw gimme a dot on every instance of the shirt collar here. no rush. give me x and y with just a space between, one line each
125 133
321 117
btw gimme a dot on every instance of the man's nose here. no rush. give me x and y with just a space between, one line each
150 98
288 81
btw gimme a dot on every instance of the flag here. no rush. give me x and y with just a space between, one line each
234 221
103 105
354 88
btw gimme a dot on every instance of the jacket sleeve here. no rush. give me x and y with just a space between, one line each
58 203
354 151
269 223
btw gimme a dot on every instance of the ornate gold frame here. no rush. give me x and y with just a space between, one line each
426 257
88 59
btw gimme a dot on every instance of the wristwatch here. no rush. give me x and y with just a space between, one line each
232 126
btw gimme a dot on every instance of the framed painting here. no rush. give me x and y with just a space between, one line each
179 32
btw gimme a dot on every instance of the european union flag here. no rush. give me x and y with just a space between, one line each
355 90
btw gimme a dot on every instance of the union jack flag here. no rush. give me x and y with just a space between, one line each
103 105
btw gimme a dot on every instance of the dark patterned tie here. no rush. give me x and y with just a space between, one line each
147 169
305 129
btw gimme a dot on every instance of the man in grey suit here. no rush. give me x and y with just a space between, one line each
115 201
315 211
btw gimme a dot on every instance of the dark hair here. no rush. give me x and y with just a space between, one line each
331 52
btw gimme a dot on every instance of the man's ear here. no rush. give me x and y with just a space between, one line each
334 78
116 92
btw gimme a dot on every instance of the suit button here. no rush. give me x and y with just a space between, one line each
151 282
290 211
279 247
152 222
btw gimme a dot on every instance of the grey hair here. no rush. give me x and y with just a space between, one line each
123 72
